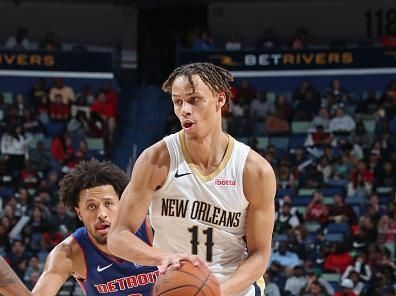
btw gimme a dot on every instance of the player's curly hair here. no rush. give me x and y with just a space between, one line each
216 78
89 174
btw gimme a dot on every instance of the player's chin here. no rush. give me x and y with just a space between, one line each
100 239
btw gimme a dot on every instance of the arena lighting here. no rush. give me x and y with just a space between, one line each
54 74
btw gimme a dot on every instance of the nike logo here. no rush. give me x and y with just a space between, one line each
177 175
100 269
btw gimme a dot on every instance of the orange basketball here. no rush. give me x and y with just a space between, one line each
187 280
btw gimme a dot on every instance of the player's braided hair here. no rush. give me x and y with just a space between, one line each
216 78
89 174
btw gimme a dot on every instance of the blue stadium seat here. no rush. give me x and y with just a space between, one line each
280 142
334 237
338 228
330 191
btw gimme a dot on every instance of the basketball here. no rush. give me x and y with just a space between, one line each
187 280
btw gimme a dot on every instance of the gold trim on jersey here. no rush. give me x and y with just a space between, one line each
193 167
261 284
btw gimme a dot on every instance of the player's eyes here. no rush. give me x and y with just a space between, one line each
91 207
108 204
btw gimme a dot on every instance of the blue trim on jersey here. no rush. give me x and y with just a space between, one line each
107 276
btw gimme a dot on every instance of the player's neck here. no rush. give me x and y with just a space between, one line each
209 150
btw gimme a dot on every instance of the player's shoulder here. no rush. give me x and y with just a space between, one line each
156 153
69 248
257 166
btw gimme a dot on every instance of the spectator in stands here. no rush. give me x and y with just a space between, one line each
43 109
337 259
78 125
204 42
19 40
317 139
354 277
40 158
322 119
286 258
30 178
233 43
3 109
337 93
313 288
299 40
360 181
58 110
38 90
66 92
20 105
325 168
360 135
246 90
50 42
340 211
317 210
64 219
387 228
296 282
276 124
346 288
104 107
342 122
388 100
111 97
34 266
14 145
271 288
368 106
320 285
282 108
32 279
32 126
302 90
260 107
83 153
62 150
23 204
17 255
285 176
85 97
285 220
269 41
306 107
385 175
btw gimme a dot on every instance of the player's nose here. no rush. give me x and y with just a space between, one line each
186 108
102 212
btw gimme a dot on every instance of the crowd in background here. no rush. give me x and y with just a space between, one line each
43 136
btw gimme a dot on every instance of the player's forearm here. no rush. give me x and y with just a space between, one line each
10 284
128 246
246 274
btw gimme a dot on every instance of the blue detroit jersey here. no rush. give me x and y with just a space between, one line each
106 276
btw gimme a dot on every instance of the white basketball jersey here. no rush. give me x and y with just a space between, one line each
204 215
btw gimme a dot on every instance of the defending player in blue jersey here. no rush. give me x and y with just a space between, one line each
93 189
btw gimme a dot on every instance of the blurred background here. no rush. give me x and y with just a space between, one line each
314 93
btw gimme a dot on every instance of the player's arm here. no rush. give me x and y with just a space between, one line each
150 172
10 284
58 267
259 186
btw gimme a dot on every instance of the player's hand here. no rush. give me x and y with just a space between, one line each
172 261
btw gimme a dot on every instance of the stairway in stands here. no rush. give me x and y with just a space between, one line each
142 118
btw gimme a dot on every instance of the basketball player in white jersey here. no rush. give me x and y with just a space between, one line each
210 197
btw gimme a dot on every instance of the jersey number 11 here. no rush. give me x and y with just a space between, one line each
195 242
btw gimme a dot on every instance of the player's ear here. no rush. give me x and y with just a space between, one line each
77 209
221 100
